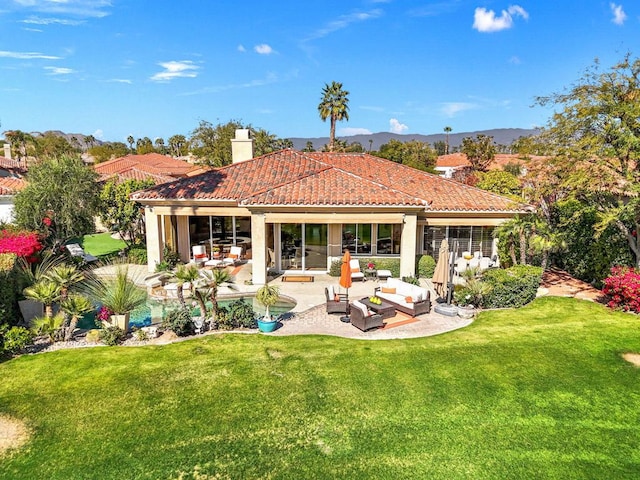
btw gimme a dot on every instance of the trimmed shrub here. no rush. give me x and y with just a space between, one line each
112 335
425 266
623 289
14 339
138 254
512 287
391 264
179 322
238 314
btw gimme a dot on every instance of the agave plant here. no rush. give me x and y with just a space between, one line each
45 292
47 326
119 293
65 276
75 306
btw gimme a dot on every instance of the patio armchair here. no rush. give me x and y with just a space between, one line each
336 302
364 319
356 274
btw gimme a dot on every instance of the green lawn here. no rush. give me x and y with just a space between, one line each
539 392
101 244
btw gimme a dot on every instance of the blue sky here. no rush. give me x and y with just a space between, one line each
112 68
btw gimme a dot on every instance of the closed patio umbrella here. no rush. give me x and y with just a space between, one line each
441 273
345 277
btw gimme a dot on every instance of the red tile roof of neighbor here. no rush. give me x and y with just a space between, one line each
160 168
455 160
11 164
293 178
11 185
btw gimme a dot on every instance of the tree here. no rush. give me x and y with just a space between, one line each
440 147
131 141
480 152
52 145
334 105
160 148
144 145
212 144
63 190
394 151
45 292
309 147
177 144
500 182
213 280
419 155
75 306
595 141
121 214
107 151
185 274
447 131
22 144
90 140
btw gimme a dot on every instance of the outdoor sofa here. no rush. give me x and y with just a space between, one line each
410 299
336 302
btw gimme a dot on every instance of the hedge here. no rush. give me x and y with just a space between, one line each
8 286
425 265
512 287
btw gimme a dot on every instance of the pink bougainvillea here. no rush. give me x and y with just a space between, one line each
623 289
23 244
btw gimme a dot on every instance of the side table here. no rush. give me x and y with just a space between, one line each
370 273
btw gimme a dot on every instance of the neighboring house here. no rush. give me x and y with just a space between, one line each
295 211
449 164
11 182
159 168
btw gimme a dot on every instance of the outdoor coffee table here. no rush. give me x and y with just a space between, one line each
384 309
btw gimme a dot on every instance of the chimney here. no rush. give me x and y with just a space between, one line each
7 151
242 146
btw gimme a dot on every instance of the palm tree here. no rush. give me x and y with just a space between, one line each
335 106
447 130
183 275
45 292
131 141
213 279
268 296
90 140
64 276
75 306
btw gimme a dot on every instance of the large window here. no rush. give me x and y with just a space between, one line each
357 238
219 233
388 239
469 239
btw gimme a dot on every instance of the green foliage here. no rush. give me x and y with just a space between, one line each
93 335
212 144
382 263
170 257
411 280
480 152
8 289
500 182
14 339
425 266
334 105
63 189
471 293
268 296
512 287
119 293
334 269
108 151
414 154
48 326
179 322
50 145
137 254
237 314
112 335
118 212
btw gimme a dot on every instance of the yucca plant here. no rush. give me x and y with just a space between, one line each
45 292
65 276
47 326
183 275
119 293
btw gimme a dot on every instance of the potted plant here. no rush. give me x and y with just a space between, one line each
267 295
120 294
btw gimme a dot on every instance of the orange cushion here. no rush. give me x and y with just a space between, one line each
408 299
200 255
355 270
233 255
388 289
337 298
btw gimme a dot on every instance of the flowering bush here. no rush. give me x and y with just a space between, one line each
623 288
23 244
104 314
371 265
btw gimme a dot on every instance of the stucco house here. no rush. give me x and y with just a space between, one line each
149 166
11 182
296 211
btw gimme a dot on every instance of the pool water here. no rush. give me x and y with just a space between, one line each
155 310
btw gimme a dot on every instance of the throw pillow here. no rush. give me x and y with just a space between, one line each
408 299
233 255
337 298
388 289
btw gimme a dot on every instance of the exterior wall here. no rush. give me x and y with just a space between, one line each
153 226
6 209
408 246
259 249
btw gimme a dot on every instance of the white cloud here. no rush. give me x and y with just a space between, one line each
343 22
515 60
77 8
450 109
350 131
396 127
173 69
263 49
59 70
50 21
486 20
619 16
27 55
98 133
241 48
120 80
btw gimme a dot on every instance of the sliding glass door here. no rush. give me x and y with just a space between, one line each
303 246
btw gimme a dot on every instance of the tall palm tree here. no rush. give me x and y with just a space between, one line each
75 306
131 141
447 130
334 105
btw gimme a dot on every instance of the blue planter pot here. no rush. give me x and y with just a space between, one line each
267 327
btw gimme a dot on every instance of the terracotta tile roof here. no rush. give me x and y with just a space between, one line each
11 164
135 173
289 177
153 164
11 185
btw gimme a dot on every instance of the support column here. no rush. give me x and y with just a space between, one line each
153 227
184 249
408 246
258 249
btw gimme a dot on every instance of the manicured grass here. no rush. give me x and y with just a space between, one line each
101 244
539 392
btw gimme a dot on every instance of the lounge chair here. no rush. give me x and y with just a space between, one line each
336 302
356 274
235 255
75 250
199 254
